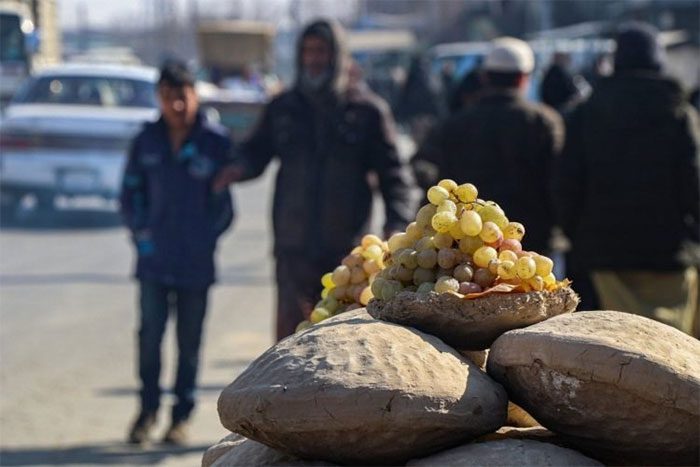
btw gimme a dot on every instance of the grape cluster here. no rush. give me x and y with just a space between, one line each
348 286
458 243
462 244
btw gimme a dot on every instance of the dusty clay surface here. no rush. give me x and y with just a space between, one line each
615 384
472 324
353 389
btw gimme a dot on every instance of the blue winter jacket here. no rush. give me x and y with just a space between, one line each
167 202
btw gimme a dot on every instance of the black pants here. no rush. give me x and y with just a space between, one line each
299 288
189 306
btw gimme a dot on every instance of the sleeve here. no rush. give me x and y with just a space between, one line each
134 193
258 150
688 173
221 202
396 181
551 146
569 177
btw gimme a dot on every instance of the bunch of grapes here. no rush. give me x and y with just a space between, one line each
462 244
348 286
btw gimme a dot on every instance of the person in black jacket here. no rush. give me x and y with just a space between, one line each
502 143
627 188
328 139
175 219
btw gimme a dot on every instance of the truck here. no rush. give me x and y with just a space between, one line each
29 40
238 57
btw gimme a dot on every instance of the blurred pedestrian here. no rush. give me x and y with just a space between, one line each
627 188
328 139
426 162
419 104
504 144
559 88
175 219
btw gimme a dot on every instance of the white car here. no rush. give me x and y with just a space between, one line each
68 129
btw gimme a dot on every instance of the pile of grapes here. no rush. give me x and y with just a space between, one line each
458 244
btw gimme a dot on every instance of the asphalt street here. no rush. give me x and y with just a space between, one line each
68 326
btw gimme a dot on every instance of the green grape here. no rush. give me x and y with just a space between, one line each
447 206
327 280
410 259
490 232
404 274
399 241
425 243
456 231
427 259
536 282
463 273
330 303
506 269
391 289
303 325
339 292
341 275
471 223
448 184
444 272
544 265
493 266
446 258
377 286
352 260
442 221
507 255
437 194
425 287
446 284
366 296
494 214
514 230
470 244
374 252
414 231
466 192
371 267
318 315
422 275
484 278
442 240
549 280
525 267
357 275
484 255
425 215
369 240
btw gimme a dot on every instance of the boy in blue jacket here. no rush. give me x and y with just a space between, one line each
175 219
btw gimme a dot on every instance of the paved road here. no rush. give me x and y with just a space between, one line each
67 330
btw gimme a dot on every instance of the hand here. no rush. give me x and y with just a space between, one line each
144 243
226 176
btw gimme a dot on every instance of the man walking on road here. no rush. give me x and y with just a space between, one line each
502 143
627 189
328 141
175 219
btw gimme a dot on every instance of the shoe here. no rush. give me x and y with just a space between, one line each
177 434
141 427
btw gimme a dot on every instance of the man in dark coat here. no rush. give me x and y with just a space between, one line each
503 144
175 219
328 142
627 188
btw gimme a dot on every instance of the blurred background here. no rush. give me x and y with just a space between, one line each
77 80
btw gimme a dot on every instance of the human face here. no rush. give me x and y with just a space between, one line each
315 56
179 105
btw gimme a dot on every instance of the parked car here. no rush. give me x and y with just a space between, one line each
68 128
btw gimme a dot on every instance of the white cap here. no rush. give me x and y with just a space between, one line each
510 55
